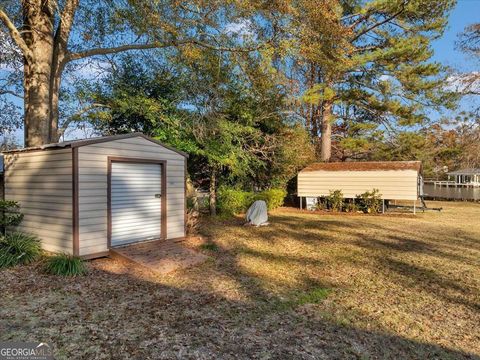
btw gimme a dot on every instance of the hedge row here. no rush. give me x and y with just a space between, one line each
232 201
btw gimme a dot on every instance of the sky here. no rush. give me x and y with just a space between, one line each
465 13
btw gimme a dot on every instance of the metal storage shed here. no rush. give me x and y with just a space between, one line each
83 197
396 180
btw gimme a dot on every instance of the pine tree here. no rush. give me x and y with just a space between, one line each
380 76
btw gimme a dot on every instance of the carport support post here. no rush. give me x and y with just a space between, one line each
300 203
414 207
383 206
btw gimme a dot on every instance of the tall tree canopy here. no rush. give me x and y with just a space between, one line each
226 113
379 74
229 81
49 36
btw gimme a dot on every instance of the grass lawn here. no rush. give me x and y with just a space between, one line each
309 287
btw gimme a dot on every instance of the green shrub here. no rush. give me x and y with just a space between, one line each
273 197
18 248
321 204
351 207
335 200
192 203
369 201
232 201
10 214
65 265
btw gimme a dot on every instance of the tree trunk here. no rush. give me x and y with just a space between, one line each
326 139
43 70
213 192
55 80
54 132
59 60
38 35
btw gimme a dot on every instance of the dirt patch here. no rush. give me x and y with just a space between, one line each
162 257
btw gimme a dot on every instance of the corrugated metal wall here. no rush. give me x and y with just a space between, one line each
392 184
41 181
136 210
92 161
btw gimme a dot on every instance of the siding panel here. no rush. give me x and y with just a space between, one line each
392 184
41 182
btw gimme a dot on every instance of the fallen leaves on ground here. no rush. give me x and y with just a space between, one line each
309 286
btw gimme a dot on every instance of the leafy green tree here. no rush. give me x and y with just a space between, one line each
137 98
292 152
234 107
225 110
10 215
448 144
45 39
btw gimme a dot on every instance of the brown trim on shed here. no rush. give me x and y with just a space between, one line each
34 149
178 239
163 210
365 166
2 179
75 207
185 212
97 140
96 255
78 143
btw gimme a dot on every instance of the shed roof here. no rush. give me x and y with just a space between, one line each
365 166
471 171
90 141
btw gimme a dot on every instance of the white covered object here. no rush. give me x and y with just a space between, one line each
311 203
257 213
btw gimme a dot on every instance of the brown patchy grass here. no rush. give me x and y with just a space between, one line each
309 286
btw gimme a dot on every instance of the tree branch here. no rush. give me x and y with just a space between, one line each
365 48
360 19
67 17
380 23
471 92
15 35
113 50
76 115
155 45
9 92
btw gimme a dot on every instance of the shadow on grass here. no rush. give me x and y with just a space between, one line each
456 245
391 249
428 280
119 315
115 313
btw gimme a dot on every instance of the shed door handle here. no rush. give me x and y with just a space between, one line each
158 196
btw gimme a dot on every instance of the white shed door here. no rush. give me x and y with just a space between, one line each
135 202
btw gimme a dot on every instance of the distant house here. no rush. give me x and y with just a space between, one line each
466 176
395 180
